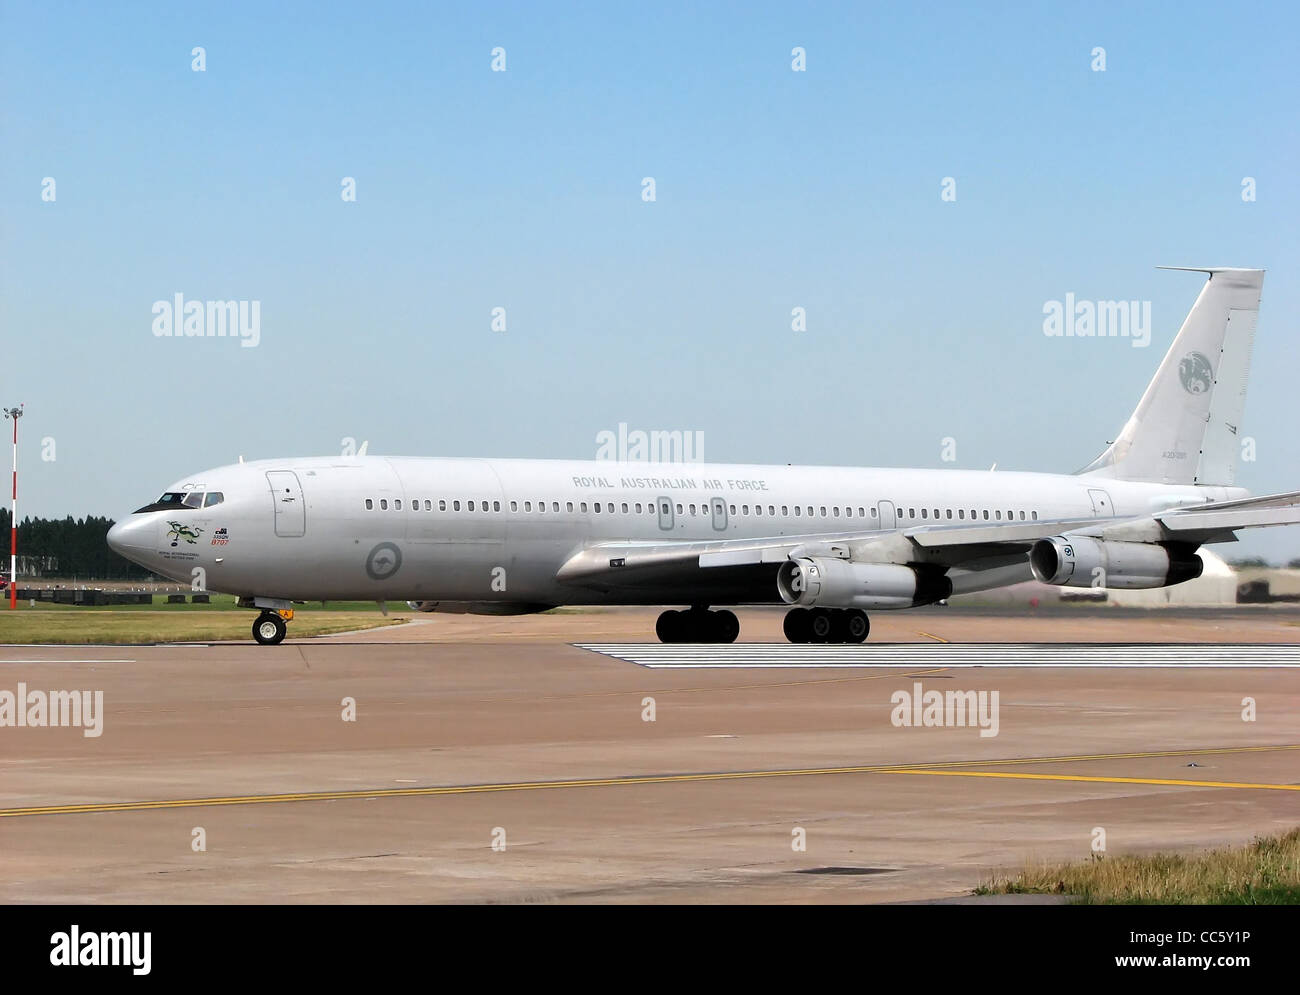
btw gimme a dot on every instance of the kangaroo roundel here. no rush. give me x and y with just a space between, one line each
384 561
1195 373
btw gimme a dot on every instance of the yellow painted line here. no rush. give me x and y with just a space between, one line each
1147 755
928 635
1096 780
472 789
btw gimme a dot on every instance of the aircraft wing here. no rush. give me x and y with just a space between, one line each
971 546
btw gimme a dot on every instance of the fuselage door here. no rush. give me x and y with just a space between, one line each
665 506
888 520
719 514
286 496
1101 506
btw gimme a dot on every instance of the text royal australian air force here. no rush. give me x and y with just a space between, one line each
670 484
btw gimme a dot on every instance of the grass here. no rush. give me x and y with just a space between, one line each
1265 872
159 623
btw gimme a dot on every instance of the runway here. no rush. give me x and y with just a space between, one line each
545 749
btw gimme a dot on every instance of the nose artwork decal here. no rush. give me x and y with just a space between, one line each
178 531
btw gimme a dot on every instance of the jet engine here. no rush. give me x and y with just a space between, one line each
827 582
1080 561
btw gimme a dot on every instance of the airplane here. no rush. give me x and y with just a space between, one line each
514 536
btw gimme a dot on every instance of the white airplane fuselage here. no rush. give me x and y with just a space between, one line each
498 531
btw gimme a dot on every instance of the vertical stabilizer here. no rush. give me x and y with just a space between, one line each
1186 429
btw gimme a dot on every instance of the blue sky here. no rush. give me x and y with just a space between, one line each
522 189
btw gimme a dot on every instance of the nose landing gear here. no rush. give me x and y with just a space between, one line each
826 625
271 627
698 625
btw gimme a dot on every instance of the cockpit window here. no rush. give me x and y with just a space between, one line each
177 500
214 497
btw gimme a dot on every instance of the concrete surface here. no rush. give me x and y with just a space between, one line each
465 725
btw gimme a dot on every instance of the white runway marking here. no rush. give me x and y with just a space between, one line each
686 656
51 660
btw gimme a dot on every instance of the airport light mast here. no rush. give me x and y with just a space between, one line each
15 414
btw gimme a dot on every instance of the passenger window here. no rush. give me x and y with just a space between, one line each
986 515
936 512
861 515
998 514
1035 514
911 512
785 510
496 505
924 513
370 505
610 507
455 506
744 509
949 513
569 506
514 505
679 509
732 509
810 511
1022 516
797 511
442 504
541 507
961 513
555 506
383 504
584 507
469 505
873 512
835 512
823 511
415 505
638 507
625 507
528 506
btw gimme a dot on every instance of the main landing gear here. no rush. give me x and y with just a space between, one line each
698 625
272 626
826 625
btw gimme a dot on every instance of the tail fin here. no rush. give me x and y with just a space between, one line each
1185 428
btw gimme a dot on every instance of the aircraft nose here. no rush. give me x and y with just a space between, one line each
134 534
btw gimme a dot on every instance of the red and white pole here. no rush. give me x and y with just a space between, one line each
15 414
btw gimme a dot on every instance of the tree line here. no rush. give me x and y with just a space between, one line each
66 547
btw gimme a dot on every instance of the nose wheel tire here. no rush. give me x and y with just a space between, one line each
269 629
